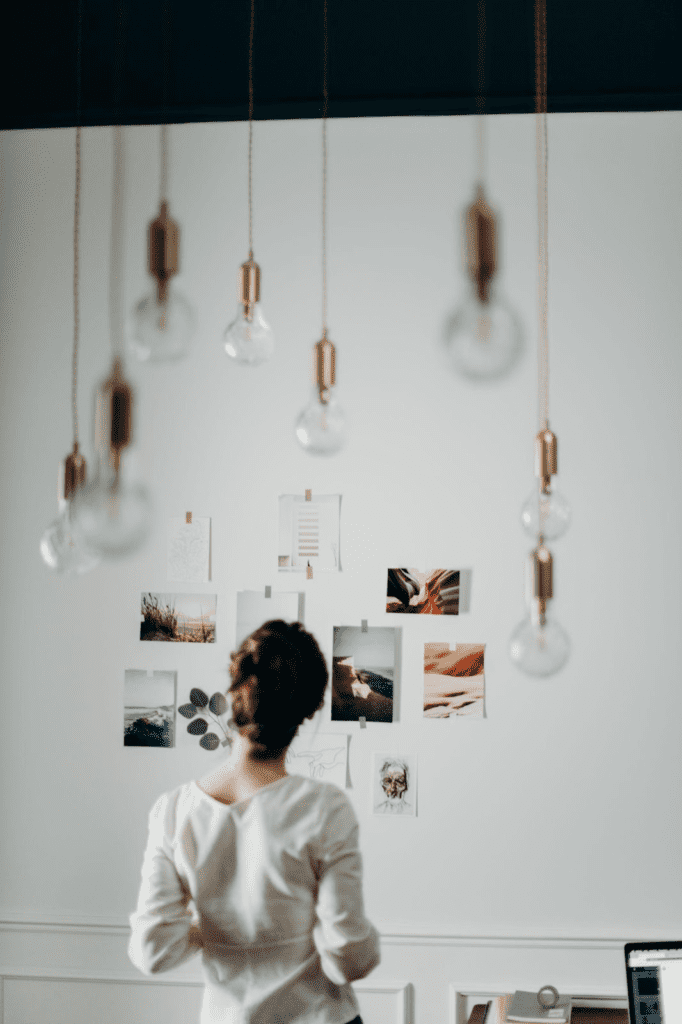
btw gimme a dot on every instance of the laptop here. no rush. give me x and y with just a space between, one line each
654 974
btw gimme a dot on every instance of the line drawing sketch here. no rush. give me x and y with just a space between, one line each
394 789
323 757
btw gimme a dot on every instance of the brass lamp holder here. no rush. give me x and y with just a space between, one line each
248 286
163 244
75 471
114 415
324 367
543 579
545 458
481 244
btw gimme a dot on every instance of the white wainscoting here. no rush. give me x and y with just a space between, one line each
77 972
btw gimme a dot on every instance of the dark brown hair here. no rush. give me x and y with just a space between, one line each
279 676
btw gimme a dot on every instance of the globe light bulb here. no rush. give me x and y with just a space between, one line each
112 515
60 548
161 327
163 321
321 427
547 513
249 339
539 646
483 336
483 339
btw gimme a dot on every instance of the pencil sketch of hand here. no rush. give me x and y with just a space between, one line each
321 761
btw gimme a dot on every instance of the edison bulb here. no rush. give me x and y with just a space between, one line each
321 427
546 514
484 340
162 328
61 550
539 648
249 340
112 516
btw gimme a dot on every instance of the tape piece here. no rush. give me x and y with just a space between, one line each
268 591
188 518
309 571
363 722
308 494
364 626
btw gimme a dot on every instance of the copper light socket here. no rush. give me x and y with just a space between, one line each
75 472
248 286
481 245
324 367
115 413
545 458
542 573
163 244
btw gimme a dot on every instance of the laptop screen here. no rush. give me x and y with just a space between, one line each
654 973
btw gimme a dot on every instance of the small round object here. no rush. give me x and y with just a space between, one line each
548 997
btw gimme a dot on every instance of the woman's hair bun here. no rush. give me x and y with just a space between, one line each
279 676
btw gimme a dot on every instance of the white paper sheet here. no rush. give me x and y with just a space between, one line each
189 547
323 756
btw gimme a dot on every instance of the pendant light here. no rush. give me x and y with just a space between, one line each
249 338
163 321
321 427
539 645
483 336
59 548
112 514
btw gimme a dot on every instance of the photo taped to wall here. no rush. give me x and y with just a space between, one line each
454 683
434 592
364 673
178 618
394 784
309 532
149 700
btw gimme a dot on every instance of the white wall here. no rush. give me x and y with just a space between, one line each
557 815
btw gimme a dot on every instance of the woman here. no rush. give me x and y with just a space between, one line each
258 869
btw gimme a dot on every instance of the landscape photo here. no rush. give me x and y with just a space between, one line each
454 681
149 702
413 592
364 673
178 618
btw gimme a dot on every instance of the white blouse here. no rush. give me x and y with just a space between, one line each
270 890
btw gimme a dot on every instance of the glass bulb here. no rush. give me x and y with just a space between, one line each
61 550
539 648
548 514
249 341
321 427
484 340
162 328
113 516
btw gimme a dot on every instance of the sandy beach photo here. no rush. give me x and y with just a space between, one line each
454 683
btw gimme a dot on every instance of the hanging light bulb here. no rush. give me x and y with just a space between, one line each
546 511
59 547
163 321
112 515
539 646
249 339
321 427
483 336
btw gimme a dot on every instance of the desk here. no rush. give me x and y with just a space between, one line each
579 1014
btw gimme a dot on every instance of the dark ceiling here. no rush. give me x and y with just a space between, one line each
152 61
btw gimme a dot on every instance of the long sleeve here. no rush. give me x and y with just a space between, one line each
347 942
162 932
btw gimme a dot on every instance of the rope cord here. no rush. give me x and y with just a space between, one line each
163 184
251 30
76 227
480 95
116 258
325 107
543 246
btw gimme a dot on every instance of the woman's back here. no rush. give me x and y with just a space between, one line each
273 885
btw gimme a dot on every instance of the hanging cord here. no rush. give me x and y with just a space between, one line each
115 274
480 96
325 106
541 154
76 229
251 28
76 307
163 185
